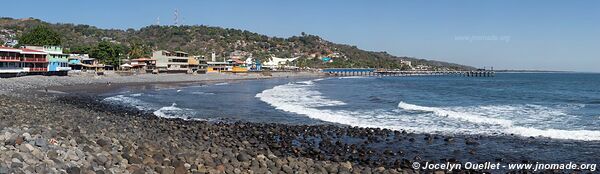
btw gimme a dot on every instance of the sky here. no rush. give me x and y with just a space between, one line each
508 34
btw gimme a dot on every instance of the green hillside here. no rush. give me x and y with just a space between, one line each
108 44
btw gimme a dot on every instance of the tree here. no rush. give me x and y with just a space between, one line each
107 52
136 48
40 35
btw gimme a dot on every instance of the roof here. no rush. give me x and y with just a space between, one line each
142 59
31 51
238 61
9 49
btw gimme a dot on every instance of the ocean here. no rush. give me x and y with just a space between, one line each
552 105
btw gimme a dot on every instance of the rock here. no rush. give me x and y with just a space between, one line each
220 168
27 136
71 155
15 160
3 170
202 169
73 170
103 142
180 170
16 163
471 141
10 141
331 168
287 169
168 170
148 161
19 140
243 157
40 142
37 154
52 154
347 166
27 148
261 157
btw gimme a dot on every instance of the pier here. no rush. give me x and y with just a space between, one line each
375 72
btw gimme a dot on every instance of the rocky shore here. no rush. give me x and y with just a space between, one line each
50 133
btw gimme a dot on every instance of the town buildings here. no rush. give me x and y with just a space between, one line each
83 62
15 62
58 63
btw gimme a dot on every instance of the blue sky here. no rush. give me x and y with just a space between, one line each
511 34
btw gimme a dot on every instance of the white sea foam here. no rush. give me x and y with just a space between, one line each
167 111
122 99
203 93
524 114
456 115
585 135
300 98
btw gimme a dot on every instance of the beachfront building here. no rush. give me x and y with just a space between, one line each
237 65
58 63
197 64
83 62
171 62
34 61
213 67
253 64
275 63
231 65
147 65
10 62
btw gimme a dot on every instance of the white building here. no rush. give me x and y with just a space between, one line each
276 63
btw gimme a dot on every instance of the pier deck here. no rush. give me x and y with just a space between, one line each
375 72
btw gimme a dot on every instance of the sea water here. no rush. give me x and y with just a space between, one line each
562 106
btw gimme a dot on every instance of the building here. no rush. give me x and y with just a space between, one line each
253 64
237 66
10 62
279 63
83 62
147 65
15 62
58 63
197 64
171 62
231 65
407 63
34 61
422 68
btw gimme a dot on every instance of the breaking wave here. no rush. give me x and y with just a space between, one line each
507 126
523 120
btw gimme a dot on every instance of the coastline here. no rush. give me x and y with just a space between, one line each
92 136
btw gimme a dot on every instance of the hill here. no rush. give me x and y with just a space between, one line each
203 40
